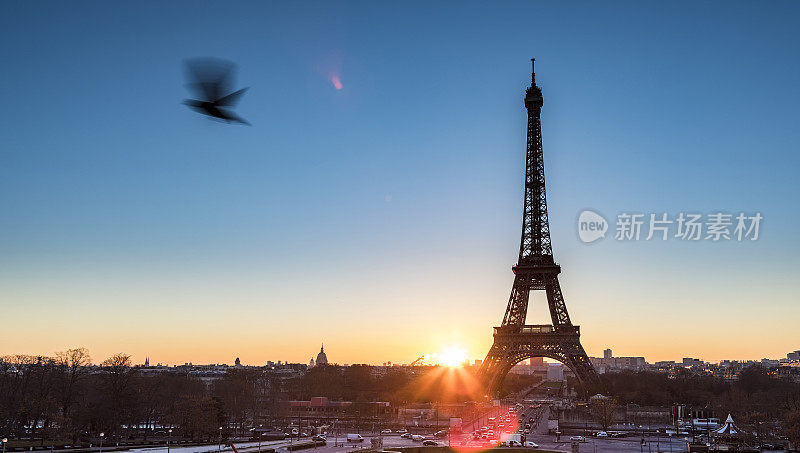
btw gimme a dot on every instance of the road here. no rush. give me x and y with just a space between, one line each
539 434
334 445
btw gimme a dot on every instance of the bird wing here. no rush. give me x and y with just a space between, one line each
210 77
230 116
231 99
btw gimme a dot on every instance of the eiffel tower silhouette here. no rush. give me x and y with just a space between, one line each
515 341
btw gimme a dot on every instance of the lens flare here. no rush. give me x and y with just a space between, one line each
337 83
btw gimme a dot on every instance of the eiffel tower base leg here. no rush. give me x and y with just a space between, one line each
510 349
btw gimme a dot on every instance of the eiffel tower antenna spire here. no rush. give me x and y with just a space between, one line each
533 71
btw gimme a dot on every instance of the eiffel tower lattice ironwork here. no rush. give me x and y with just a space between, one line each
515 341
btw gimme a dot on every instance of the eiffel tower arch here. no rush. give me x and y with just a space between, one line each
536 270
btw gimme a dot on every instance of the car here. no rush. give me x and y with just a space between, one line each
430 443
355 438
577 439
386 431
513 443
601 434
417 438
530 444
402 430
319 439
405 435
441 433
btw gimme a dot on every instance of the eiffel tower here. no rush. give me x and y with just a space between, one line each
515 341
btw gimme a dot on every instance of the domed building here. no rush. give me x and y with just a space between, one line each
322 359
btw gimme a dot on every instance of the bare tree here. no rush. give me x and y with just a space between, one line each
791 421
118 377
604 411
73 364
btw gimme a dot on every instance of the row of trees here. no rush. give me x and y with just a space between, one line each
401 386
64 397
760 403
67 398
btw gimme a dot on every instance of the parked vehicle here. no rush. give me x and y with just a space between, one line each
531 445
386 431
405 435
319 439
417 438
430 443
402 430
508 439
355 438
577 439
601 434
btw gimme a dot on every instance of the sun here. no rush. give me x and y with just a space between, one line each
453 356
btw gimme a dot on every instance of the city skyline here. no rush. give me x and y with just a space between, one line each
374 204
431 359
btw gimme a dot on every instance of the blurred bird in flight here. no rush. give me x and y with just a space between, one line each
211 79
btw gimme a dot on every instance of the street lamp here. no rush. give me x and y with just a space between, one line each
169 437
101 441
220 438
5 439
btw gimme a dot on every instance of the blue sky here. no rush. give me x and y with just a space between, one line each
131 223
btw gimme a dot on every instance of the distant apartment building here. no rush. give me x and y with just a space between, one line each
555 372
690 362
793 356
322 407
610 363
537 366
665 364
